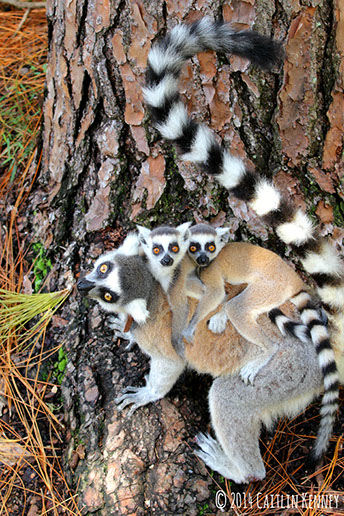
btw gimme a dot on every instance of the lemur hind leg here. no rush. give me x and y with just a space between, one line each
208 302
238 411
242 311
236 453
180 312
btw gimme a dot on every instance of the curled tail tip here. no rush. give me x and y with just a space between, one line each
277 54
289 327
316 455
313 460
207 34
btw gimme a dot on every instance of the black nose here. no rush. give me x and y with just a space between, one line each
203 260
166 260
84 286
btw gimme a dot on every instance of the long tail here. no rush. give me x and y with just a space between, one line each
312 316
314 328
196 143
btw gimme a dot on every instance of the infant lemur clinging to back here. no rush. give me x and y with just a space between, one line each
166 250
211 262
121 282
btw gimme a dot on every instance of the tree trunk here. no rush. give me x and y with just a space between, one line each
104 168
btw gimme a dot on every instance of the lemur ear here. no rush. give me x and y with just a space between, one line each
144 234
130 245
183 230
223 233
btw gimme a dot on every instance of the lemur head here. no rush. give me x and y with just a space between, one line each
165 246
206 242
120 281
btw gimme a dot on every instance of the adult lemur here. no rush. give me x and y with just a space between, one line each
237 410
196 143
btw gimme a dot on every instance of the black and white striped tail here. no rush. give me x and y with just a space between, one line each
196 143
289 327
316 322
314 328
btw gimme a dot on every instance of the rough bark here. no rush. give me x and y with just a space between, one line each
105 168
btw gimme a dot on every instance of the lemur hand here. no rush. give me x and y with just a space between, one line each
117 325
137 397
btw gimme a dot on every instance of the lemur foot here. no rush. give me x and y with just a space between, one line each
178 346
217 323
215 458
188 334
252 368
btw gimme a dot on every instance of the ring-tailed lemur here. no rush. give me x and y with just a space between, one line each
166 249
205 244
196 143
237 410
269 281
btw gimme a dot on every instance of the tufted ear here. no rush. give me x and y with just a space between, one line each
130 245
144 234
183 230
223 233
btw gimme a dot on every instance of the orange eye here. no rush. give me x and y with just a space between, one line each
156 250
107 296
103 268
175 249
211 248
192 248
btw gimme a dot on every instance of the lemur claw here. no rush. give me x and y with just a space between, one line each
135 396
249 372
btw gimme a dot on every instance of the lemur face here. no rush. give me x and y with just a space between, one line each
206 242
103 284
164 246
120 282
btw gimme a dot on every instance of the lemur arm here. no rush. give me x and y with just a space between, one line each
162 375
213 296
180 310
179 305
194 287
